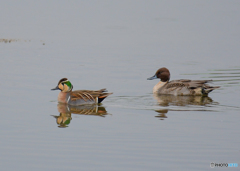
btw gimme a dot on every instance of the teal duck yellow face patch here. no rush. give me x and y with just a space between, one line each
66 86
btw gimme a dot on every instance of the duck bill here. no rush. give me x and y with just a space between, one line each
56 88
153 77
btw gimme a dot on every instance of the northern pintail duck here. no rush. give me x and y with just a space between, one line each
78 97
179 87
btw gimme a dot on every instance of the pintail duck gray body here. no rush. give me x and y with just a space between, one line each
180 87
78 97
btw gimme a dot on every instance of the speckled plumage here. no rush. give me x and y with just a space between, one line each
78 97
180 87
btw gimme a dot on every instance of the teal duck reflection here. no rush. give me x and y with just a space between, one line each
66 111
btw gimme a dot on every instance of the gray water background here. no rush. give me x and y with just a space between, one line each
117 45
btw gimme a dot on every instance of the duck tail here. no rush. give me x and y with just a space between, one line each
207 90
103 96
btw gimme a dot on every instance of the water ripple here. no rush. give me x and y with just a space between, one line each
224 77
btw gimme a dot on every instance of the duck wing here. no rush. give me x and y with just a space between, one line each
192 84
89 95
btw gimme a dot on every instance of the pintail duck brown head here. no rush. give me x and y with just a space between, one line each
162 73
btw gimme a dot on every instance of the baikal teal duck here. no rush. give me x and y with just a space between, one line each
78 97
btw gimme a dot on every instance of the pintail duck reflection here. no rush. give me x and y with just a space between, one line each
78 97
183 103
161 114
166 100
180 87
66 111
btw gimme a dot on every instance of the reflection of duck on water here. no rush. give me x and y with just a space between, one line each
162 113
63 119
167 100
66 111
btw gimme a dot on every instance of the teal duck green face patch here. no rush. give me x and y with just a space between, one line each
69 84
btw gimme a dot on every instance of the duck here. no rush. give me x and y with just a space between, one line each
78 97
180 87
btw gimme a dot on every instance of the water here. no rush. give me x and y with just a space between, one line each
118 45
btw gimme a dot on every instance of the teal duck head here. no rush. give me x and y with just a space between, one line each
64 85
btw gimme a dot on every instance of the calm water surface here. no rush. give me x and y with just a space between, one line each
118 45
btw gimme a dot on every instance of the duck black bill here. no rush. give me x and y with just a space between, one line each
56 88
153 77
